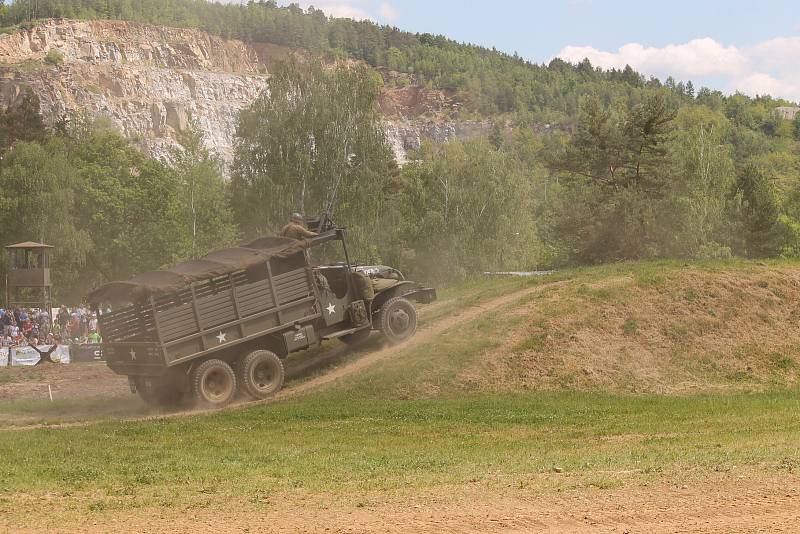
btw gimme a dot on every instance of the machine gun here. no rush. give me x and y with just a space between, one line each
325 221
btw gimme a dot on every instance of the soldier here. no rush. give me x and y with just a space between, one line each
296 229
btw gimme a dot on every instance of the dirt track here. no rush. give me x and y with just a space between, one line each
432 331
72 381
729 504
740 506
737 505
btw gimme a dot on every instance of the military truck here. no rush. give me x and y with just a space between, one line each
206 329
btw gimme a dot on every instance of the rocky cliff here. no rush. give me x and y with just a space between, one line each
155 82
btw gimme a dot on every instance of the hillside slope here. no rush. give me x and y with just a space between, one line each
663 328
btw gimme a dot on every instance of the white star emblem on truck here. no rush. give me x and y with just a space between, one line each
331 309
221 337
133 354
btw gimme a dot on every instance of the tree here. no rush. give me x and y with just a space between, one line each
205 197
465 208
797 126
689 89
21 121
614 174
758 212
132 208
312 127
696 223
37 203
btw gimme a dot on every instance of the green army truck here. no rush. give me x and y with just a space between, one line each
206 329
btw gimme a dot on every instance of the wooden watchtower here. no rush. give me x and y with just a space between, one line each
28 282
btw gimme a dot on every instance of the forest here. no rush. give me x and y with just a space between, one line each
638 169
488 81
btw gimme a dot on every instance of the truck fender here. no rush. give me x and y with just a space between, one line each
397 290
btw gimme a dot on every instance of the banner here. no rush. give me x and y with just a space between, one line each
25 355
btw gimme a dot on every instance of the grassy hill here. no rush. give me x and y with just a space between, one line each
615 377
659 328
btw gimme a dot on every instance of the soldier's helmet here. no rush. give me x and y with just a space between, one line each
297 217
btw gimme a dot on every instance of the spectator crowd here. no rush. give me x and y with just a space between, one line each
36 327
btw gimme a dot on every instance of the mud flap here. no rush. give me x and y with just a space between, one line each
424 295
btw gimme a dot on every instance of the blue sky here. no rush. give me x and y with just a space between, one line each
731 45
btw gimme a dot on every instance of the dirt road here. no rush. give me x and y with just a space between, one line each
426 334
71 381
729 504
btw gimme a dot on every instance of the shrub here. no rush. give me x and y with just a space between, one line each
54 57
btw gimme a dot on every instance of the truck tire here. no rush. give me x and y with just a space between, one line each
356 338
213 384
260 374
158 395
397 320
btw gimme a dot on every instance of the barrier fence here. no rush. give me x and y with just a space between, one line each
25 355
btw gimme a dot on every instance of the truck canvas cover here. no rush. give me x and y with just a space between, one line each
218 263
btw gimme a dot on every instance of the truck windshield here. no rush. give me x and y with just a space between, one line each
330 253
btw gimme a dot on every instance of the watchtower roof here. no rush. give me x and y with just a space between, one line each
29 244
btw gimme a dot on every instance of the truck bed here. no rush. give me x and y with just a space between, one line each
208 316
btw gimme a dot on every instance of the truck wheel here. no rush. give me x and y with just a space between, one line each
161 396
356 338
397 319
260 374
213 383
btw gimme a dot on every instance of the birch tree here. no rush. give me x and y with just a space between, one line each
313 126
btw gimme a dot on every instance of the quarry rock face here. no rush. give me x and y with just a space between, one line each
406 134
154 83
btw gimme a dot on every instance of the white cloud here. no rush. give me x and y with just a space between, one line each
759 83
387 12
780 53
700 57
766 68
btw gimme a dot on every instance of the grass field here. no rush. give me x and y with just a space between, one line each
340 444
349 450
563 389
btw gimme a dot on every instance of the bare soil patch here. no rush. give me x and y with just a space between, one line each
67 381
731 504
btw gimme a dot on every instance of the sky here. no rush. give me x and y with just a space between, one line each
731 45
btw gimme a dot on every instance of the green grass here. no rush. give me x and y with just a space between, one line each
339 444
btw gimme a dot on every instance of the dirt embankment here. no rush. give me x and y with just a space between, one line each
676 331
671 331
